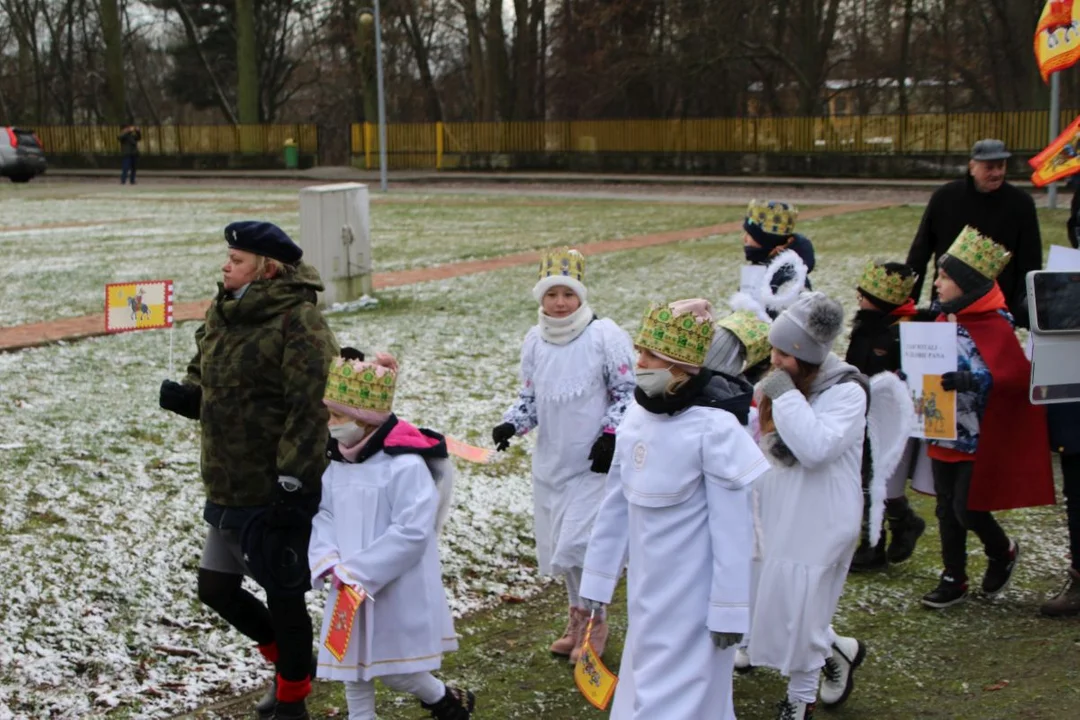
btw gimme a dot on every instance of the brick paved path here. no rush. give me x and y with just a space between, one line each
44 333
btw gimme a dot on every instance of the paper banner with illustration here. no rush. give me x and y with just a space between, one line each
1057 37
750 277
1060 159
592 677
144 305
928 351
471 453
338 636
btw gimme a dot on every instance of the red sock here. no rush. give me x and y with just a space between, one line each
293 690
269 651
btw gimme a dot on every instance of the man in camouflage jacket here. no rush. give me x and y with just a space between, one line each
256 385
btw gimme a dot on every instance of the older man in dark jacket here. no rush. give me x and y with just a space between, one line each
256 386
997 209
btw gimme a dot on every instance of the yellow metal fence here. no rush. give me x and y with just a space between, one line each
179 139
440 145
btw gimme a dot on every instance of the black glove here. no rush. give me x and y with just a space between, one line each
603 450
960 381
501 435
180 398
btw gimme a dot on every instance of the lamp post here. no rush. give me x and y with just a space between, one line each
372 15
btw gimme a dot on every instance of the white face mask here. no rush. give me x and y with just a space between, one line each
348 434
653 382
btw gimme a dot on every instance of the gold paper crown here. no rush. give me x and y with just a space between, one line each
361 385
892 288
774 217
753 333
979 252
562 261
682 338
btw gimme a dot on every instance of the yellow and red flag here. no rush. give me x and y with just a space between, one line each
1060 159
349 600
591 676
1057 37
145 305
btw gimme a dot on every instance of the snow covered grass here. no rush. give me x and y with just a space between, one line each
61 249
102 525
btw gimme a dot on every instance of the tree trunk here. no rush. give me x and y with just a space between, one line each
410 20
247 69
194 42
483 111
366 51
497 75
113 32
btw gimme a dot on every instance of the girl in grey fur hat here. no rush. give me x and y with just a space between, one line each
813 407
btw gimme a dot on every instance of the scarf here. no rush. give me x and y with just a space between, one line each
562 331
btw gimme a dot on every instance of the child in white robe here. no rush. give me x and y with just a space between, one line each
577 379
813 425
377 531
678 510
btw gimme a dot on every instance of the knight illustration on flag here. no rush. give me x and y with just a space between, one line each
144 305
1057 37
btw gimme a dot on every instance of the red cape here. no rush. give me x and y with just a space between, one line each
1012 462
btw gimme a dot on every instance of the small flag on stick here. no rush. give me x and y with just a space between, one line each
144 305
591 676
349 600
471 453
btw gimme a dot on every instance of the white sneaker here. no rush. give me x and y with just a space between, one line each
839 672
742 661
788 710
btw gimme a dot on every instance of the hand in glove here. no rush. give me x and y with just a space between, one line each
501 435
776 383
291 504
603 450
180 398
593 606
960 381
724 640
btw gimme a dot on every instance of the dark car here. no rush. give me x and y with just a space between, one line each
21 154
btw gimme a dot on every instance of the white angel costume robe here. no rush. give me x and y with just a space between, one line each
376 527
570 394
678 509
809 521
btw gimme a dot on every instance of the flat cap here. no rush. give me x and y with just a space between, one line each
989 149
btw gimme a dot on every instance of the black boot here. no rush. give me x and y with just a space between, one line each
870 558
291 711
906 528
265 707
455 705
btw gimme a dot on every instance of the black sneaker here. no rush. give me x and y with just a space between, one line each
906 531
949 591
999 572
870 558
456 704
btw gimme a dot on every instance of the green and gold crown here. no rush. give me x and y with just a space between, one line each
563 262
773 216
361 385
753 333
979 252
891 288
682 338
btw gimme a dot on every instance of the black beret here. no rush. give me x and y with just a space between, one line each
263 238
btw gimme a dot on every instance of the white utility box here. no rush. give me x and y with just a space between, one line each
335 233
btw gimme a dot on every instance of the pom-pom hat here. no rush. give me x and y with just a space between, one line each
808 329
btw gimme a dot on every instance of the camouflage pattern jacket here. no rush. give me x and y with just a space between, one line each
262 363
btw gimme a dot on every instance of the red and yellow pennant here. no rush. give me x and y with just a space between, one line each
342 620
592 677
1057 37
1060 159
144 305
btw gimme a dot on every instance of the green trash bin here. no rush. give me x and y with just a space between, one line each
292 155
